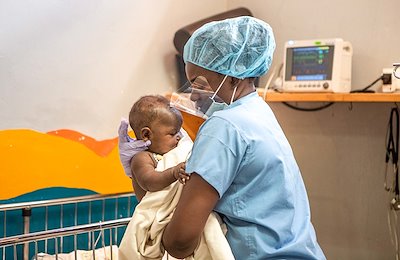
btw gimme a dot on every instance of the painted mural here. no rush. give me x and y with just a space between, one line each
33 161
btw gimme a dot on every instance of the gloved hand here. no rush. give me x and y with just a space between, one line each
128 146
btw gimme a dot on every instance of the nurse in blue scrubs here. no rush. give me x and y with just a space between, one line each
241 165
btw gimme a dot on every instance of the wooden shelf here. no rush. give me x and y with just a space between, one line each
329 97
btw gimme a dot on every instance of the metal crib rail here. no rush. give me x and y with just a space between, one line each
68 231
56 234
63 201
92 212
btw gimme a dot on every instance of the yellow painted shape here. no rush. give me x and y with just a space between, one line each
31 161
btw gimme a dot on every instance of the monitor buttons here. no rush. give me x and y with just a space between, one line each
325 85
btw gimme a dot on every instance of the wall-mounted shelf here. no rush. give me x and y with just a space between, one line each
273 96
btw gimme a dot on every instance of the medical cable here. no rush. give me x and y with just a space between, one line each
365 90
392 149
312 109
392 154
267 86
395 73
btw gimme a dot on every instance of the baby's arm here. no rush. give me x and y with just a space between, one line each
143 168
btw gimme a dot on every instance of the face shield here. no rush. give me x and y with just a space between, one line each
198 98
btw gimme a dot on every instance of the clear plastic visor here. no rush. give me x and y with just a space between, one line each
195 97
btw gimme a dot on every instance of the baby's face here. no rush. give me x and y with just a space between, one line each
165 135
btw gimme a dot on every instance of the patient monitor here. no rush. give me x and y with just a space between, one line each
317 66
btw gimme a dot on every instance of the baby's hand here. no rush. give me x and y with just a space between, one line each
180 174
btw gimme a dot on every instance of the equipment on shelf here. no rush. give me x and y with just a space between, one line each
321 65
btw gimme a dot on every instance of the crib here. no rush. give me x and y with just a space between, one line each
83 227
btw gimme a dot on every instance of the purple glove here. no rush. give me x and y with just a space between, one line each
128 146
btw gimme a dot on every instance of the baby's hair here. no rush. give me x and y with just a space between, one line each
148 109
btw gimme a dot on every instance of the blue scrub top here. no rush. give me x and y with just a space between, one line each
243 153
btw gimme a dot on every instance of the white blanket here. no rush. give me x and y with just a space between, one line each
142 238
105 253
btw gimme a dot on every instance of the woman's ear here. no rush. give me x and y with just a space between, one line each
145 133
234 82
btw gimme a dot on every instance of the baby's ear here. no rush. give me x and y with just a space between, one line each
145 133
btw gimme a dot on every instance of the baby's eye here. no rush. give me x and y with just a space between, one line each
174 133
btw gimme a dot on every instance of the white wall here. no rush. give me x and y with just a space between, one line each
80 65
341 150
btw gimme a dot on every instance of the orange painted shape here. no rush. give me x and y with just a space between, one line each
102 148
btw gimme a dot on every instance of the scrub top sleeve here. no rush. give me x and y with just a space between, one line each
217 153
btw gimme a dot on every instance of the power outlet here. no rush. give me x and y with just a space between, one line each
387 80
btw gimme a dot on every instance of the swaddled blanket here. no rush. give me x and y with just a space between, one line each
142 238
105 253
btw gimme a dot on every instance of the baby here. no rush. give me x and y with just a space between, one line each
154 180
152 118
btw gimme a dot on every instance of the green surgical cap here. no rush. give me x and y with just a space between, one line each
240 47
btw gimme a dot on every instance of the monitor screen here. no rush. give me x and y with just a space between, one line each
311 63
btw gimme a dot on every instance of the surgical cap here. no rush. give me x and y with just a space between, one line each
240 47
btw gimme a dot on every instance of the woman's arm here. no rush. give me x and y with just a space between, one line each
182 234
